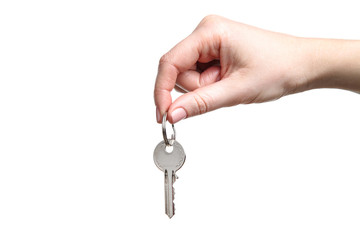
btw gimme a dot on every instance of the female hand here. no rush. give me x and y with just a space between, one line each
255 66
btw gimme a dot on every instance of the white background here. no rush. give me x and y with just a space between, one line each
78 130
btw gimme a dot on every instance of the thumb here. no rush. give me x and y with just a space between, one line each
202 100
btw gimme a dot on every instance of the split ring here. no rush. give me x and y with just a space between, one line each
168 141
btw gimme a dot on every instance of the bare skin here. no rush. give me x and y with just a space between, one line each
224 63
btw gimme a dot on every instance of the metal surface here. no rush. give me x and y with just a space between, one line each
181 87
169 163
168 142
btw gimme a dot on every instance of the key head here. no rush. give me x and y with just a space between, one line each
173 160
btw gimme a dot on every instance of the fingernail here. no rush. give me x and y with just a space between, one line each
178 114
158 115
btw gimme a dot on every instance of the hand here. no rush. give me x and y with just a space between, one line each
255 66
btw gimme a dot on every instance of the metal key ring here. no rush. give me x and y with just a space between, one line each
168 142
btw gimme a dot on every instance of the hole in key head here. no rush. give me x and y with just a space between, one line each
169 149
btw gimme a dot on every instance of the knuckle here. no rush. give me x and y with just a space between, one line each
202 102
159 92
168 59
213 24
210 19
164 58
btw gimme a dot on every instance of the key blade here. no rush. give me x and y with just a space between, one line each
169 193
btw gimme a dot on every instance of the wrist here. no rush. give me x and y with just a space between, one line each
332 64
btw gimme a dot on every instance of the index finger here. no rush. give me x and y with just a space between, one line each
179 59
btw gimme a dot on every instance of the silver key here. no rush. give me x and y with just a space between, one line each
169 163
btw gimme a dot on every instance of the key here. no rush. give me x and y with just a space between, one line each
169 163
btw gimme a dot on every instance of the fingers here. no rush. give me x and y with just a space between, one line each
181 58
202 100
191 80
202 66
201 46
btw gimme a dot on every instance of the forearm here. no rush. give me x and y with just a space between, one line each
334 64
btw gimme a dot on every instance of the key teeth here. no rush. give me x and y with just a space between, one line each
173 190
173 201
173 208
